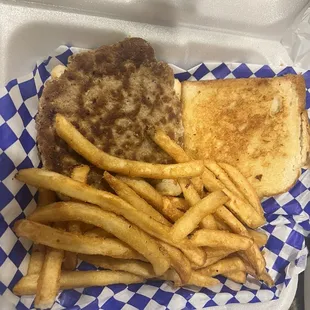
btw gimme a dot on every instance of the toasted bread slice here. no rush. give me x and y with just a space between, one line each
254 124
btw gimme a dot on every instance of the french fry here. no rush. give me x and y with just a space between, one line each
75 279
196 278
176 152
243 210
36 259
190 220
79 173
109 202
62 240
46 197
215 252
194 254
192 196
237 276
170 146
259 237
145 190
98 232
209 261
102 160
149 193
244 186
38 250
221 175
217 238
48 281
208 222
169 211
129 195
225 265
220 224
70 261
179 203
168 187
136 267
70 258
254 255
123 230
189 192
171 275
199 279
265 277
178 261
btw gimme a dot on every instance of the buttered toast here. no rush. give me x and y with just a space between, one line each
258 125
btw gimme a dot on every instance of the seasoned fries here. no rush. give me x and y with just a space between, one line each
136 267
187 223
259 238
104 161
38 250
243 210
98 232
179 262
176 152
71 242
225 265
196 278
216 252
36 259
189 192
244 186
199 279
170 147
218 239
179 203
192 196
236 276
48 282
254 255
129 195
65 211
75 279
80 174
139 233
169 211
145 190
209 261
110 222
46 262
265 277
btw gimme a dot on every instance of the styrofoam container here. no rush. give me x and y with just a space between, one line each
183 32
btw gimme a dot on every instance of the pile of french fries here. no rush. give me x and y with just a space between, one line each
138 233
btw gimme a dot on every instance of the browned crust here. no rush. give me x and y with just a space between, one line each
300 86
297 80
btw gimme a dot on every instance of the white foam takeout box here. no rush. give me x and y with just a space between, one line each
182 32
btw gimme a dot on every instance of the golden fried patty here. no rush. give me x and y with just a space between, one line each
113 95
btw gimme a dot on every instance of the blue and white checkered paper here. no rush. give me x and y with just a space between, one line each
287 215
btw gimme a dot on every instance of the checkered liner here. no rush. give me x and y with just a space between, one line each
287 215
